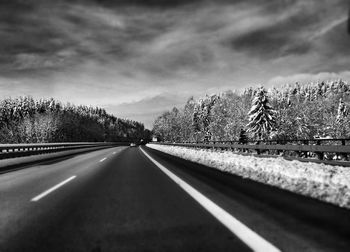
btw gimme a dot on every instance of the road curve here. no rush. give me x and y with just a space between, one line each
117 199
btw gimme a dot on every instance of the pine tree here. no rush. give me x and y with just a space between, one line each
261 115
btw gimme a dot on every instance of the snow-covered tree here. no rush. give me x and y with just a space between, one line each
342 110
303 110
202 117
24 119
261 115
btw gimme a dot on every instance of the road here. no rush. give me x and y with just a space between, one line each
121 199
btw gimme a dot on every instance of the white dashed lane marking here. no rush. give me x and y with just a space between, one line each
42 195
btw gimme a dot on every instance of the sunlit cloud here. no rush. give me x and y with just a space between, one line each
308 78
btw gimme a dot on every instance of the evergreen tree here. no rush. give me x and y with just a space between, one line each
261 115
303 110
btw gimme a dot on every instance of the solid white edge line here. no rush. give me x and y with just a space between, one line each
244 233
103 159
52 189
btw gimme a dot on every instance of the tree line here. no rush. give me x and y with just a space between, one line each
25 120
293 111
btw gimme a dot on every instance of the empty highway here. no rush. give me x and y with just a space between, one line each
138 199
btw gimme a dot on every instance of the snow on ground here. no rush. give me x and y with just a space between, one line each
321 181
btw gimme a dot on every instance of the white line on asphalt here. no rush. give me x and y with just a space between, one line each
52 189
248 236
113 152
103 159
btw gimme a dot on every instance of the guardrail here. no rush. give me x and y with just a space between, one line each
321 149
313 141
20 150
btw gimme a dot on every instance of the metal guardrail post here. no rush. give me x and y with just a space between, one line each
319 154
343 156
305 142
278 151
258 150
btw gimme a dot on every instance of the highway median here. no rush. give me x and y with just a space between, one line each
10 164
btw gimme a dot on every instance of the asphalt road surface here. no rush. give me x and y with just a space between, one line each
138 199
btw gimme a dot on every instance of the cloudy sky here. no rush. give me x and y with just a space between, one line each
138 58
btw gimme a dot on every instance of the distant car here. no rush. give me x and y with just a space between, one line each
132 145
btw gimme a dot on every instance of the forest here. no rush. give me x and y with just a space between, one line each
26 120
291 111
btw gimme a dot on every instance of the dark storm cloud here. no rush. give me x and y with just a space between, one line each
270 42
189 34
26 35
114 52
48 34
148 3
288 34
